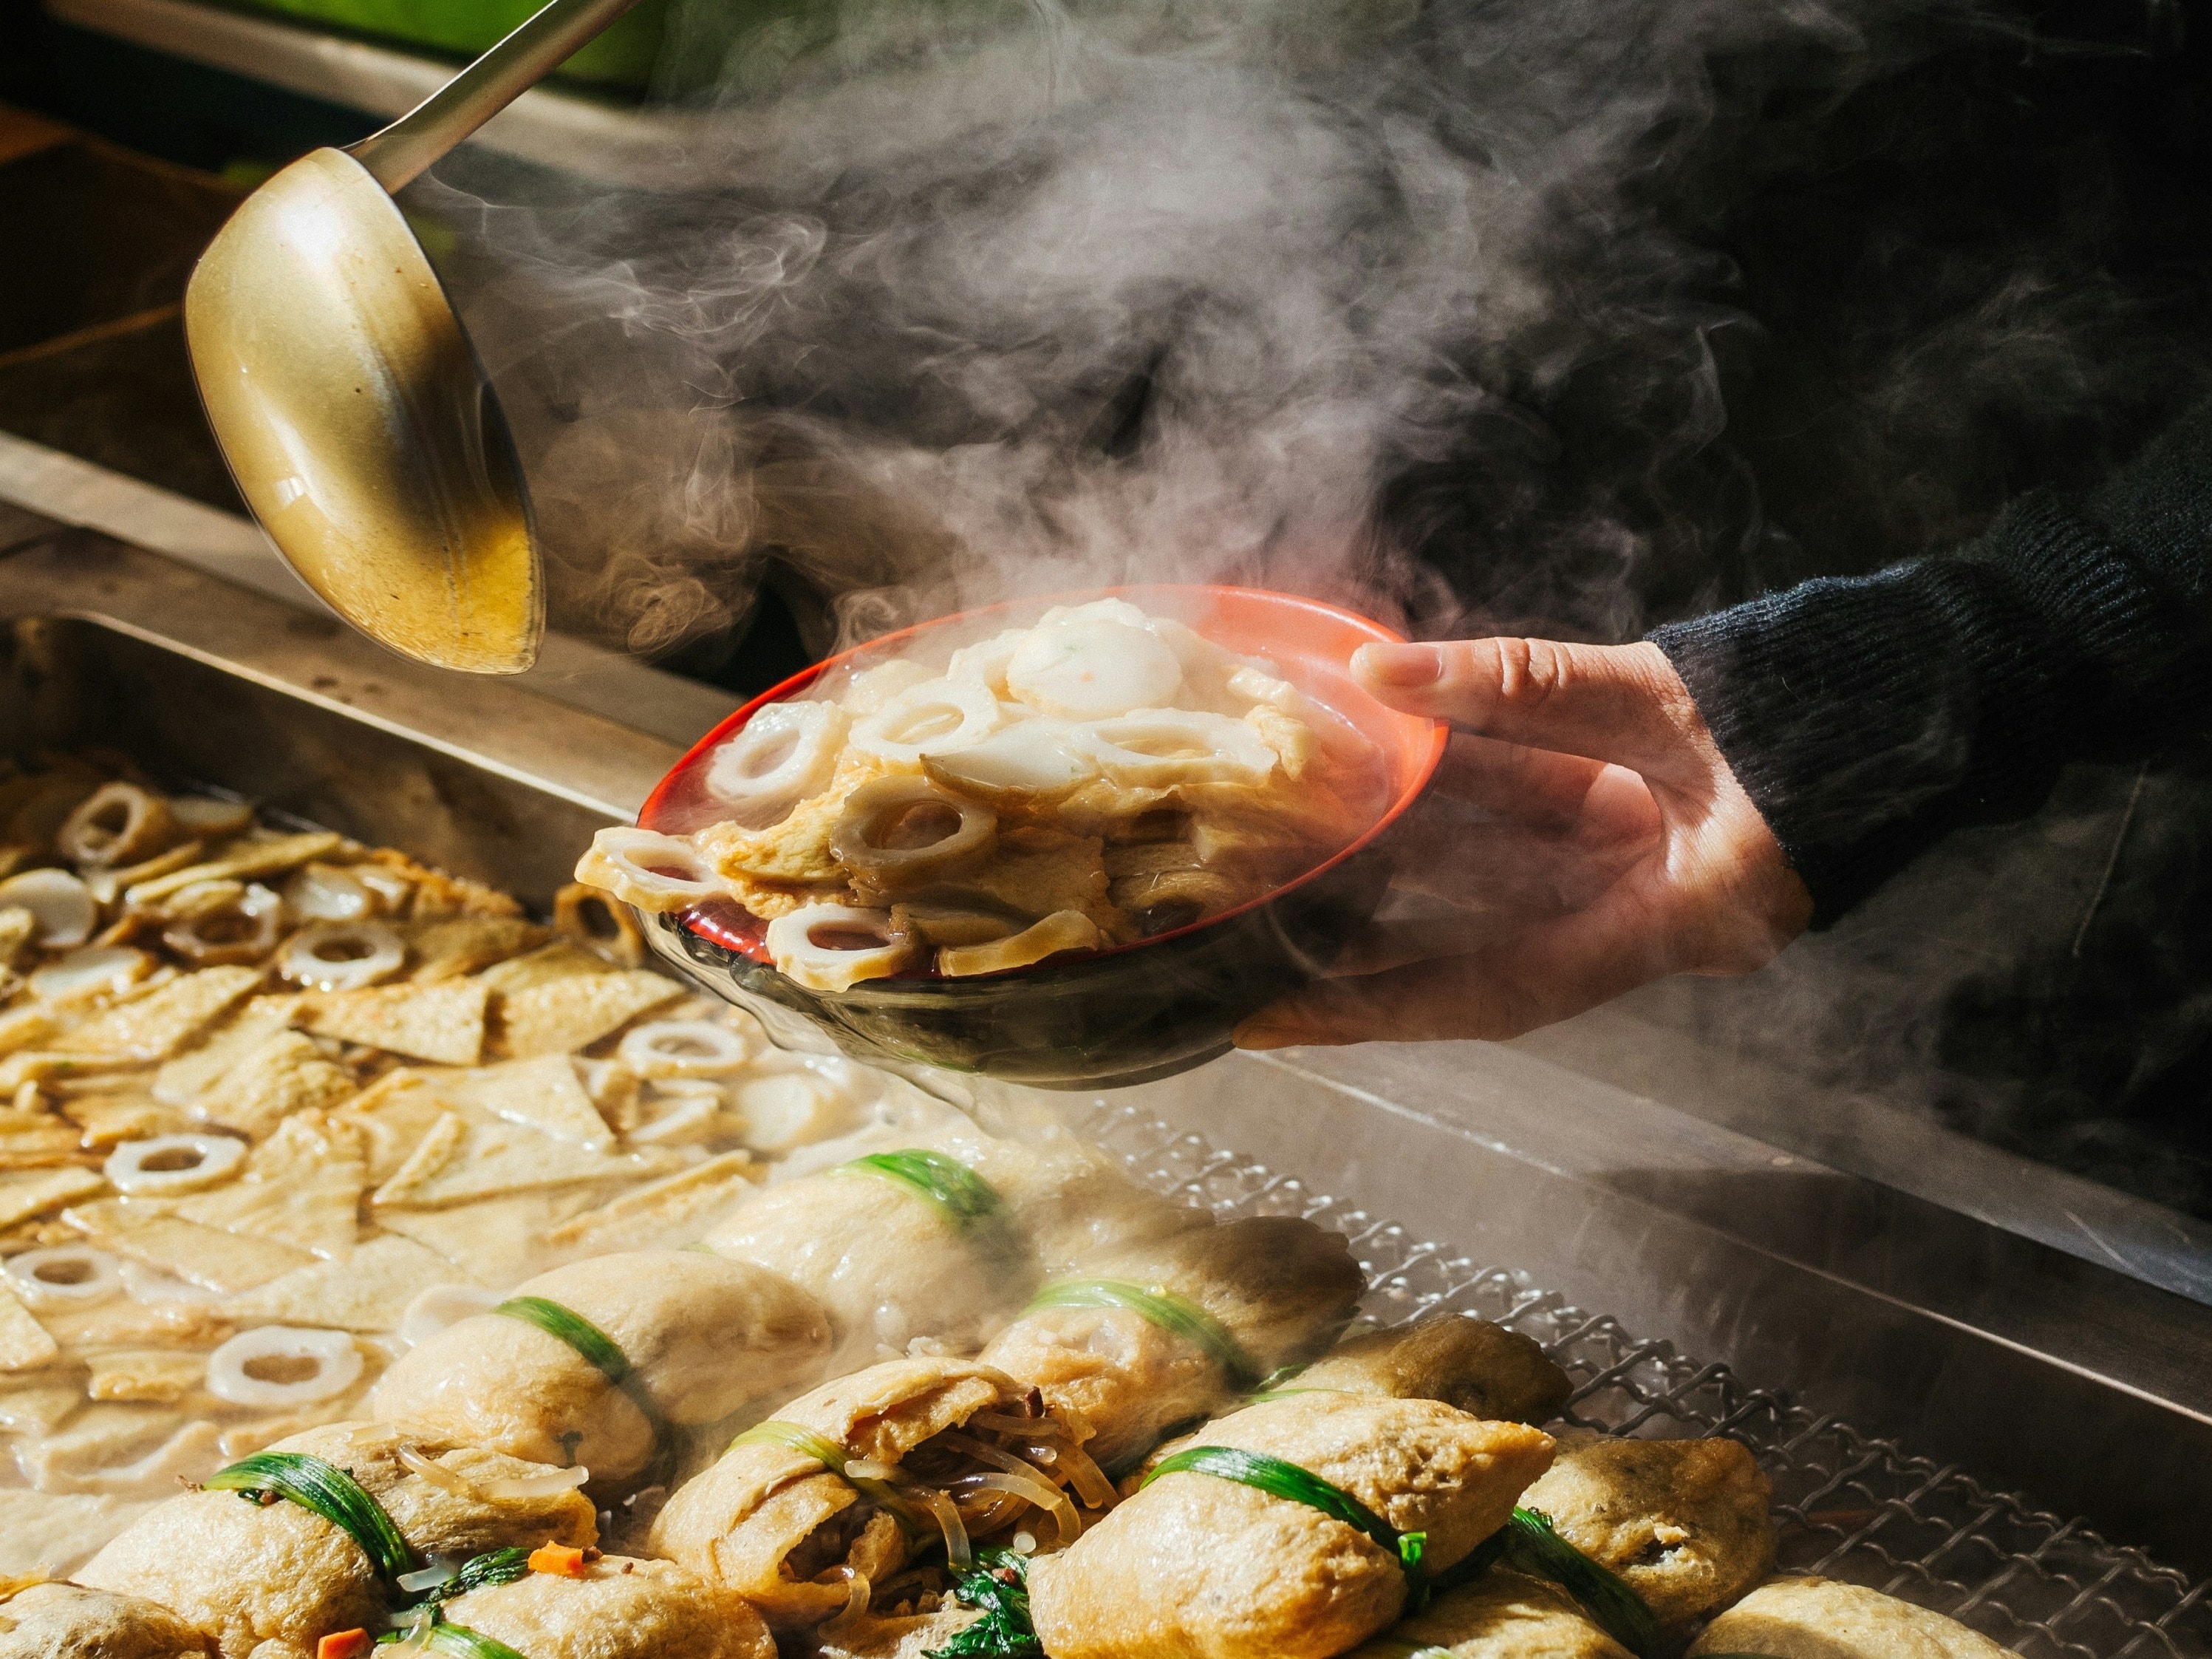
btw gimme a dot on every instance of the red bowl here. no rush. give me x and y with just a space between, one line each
1130 1012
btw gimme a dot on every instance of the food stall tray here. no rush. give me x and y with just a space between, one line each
105 643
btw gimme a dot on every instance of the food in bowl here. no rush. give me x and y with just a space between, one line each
1101 776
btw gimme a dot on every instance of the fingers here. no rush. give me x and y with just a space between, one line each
1622 703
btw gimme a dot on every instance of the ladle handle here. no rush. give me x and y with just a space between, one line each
406 150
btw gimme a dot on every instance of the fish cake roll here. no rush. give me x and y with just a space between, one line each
620 1607
1821 1618
1142 1338
850 1480
68 1621
1502 1614
1684 1522
693 1338
1482 1369
277 1573
1198 1566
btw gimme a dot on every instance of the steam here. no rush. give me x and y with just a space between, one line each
1266 291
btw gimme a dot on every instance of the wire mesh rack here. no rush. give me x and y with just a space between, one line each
1850 1506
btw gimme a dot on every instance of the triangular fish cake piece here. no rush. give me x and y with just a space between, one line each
673 1210
302 1186
566 1015
499 1242
442 1022
206 1256
560 960
158 1024
58 1532
163 1376
24 1344
370 1292
181 1080
447 950
27 1192
544 1093
488 1157
392 1115
287 1073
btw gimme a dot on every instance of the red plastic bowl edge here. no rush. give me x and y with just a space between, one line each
1440 735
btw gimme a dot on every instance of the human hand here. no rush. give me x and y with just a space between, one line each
1583 837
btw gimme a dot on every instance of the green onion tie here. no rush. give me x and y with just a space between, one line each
458 1640
1534 1546
1281 1479
590 1344
970 1204
1176 1315
326 1490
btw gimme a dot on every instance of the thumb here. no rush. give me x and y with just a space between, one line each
1620 703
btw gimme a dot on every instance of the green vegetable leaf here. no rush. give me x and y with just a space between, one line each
1534 1546
998 1584
965 1199
1281 1479
1176 1315
326 1490
458 1640
591 1345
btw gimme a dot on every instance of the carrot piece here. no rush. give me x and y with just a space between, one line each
344 1644
562 1558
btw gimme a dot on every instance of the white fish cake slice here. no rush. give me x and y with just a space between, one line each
24 1343
164 1375
566 1015
303 1186
182 1080
207 1256
287 1073
158 1024
54 1533
671 1210
367 1293
544 1093
442 1022
27 1192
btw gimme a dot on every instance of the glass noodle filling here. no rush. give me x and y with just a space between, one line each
1101 777
1018 1478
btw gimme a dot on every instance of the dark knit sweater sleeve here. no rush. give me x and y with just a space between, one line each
1867 716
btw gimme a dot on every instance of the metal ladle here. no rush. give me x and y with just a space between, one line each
344 393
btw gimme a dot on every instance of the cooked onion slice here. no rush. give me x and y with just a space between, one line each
785 753
241 928
1045 1496
1063 930
1032 760
1155 748
984 663
172 1163
943 1510
61 904
342 956
682 1048
833 947
70 1275
283 1366
933 718
90 968
518 1488
328 892
897 832
117 824
1092 669
656 873
206 817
